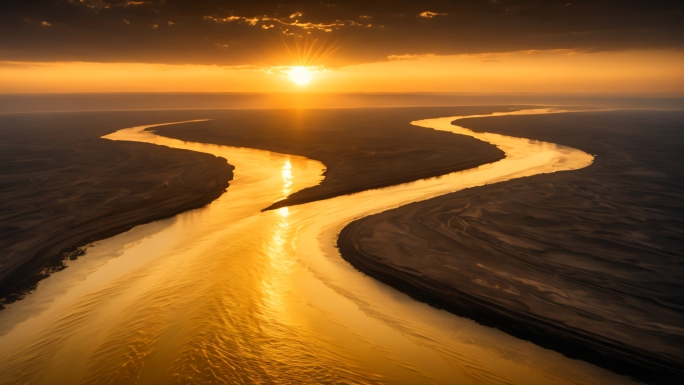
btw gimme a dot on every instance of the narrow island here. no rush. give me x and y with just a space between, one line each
362 149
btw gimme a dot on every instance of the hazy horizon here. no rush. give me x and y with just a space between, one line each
72 102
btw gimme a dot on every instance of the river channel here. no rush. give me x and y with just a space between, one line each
228 294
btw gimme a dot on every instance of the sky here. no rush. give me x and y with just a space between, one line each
348 46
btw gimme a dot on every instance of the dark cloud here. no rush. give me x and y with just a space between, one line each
253 32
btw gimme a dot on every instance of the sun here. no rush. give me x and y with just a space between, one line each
300 75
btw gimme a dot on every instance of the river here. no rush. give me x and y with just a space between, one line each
228 294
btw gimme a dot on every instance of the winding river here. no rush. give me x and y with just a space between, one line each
227 294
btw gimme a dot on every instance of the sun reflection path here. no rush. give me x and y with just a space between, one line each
279 257
287 178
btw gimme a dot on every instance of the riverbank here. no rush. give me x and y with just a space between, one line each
584 262
62 188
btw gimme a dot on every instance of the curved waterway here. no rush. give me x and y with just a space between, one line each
227 294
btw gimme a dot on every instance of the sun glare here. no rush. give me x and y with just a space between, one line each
300 75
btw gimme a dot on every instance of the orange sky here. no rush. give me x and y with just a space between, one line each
535 71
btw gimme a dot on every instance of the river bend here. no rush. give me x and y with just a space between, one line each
228 294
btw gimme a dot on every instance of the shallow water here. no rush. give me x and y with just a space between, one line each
229 294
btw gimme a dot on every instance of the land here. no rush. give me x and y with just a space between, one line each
361 148
589 262
63 187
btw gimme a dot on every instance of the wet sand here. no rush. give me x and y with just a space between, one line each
586 262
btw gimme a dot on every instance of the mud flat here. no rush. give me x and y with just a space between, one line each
585 262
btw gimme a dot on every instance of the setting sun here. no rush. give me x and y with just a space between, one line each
300 75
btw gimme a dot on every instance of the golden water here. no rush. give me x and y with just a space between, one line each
227 294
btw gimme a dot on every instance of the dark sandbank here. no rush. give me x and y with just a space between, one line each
588 262
121 101
361 148
62 187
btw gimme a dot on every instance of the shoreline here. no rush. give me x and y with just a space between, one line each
294 199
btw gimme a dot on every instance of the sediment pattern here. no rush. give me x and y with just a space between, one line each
586 262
